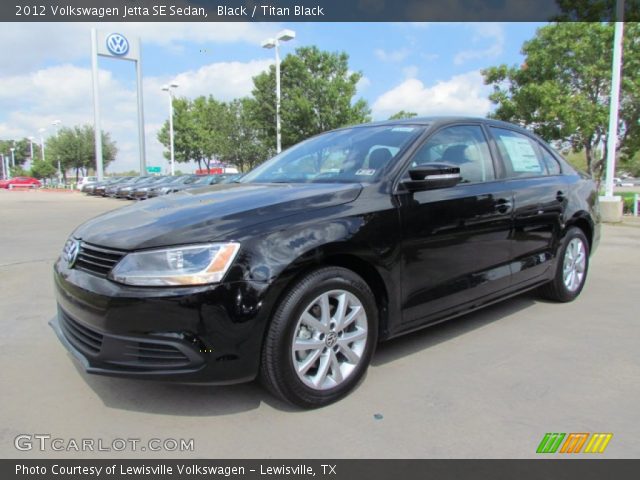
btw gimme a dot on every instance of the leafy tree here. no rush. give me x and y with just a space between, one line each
22 151
402 114
317 94
185 135
40 169
246 149
74 148
562 90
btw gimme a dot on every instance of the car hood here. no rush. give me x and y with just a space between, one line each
216 212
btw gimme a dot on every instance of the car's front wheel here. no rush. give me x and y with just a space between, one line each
572 267
321 338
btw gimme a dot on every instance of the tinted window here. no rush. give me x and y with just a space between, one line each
464 146
553 167
349 155
520 153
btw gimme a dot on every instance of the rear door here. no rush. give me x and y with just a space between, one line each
455 241
540 198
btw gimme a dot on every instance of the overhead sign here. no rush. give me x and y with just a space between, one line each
115 44
154 169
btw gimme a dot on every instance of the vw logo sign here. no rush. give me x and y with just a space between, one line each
71 250
117 44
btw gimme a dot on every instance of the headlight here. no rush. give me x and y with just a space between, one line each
189 265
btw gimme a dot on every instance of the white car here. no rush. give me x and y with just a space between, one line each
86 181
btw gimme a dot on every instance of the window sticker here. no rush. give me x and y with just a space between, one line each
366 171
403 129
523 156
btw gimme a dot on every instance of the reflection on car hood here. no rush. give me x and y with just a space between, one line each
210 213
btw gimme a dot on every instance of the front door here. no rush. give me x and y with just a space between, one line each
456 241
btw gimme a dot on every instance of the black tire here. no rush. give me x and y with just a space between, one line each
277 369
556 289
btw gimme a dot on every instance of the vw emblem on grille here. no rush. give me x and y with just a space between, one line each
71 252
117 44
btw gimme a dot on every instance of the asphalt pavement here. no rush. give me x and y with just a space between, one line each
487 385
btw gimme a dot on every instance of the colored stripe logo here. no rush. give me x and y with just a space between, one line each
573 442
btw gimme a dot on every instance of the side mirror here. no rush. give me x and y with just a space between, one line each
431 176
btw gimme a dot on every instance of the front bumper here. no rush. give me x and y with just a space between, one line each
209 334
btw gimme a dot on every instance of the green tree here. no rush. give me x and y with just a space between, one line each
318 92
22 150
74 149
186 148
40 169
246 149
402 114
562 90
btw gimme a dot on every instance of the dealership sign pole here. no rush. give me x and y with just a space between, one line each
115 45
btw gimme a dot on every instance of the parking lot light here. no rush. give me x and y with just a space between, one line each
282 36
56 124
41 132
13 157
169 89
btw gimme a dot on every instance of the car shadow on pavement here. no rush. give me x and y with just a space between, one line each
419 340
176 399
204 400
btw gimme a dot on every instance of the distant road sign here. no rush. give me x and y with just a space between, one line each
154 169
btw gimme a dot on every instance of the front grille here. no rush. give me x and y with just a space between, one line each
80 336
158 355
97 260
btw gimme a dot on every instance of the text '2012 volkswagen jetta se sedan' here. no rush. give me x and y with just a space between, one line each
295 272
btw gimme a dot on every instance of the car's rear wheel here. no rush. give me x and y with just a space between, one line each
571 269
321 338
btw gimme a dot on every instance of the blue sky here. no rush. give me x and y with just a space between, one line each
427 68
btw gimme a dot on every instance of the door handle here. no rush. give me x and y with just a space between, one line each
560 196
503 205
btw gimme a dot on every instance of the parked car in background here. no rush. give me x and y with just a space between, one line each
20 182
127 189
85 181
101 187
173 186
118 191
141 190
297 271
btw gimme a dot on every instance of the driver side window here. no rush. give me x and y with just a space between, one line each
463 146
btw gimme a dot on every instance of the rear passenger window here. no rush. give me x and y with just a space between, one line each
553 167
520 153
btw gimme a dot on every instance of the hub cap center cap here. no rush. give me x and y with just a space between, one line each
331 339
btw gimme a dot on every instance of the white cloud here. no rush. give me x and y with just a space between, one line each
493 32
33 44
392 55
64 92
223 80
463 94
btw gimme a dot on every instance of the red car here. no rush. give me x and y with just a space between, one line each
29 182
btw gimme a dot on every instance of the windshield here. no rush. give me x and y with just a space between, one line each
351 155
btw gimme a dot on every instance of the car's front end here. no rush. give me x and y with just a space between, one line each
198 333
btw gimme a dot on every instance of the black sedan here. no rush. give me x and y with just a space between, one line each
352 237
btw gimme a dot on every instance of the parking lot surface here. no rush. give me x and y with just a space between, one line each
487 385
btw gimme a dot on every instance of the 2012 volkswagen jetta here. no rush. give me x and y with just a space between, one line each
295 272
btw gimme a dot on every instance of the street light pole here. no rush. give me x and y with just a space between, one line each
56 124
611 206
169 89
283 36
41 132
31 139
13 157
